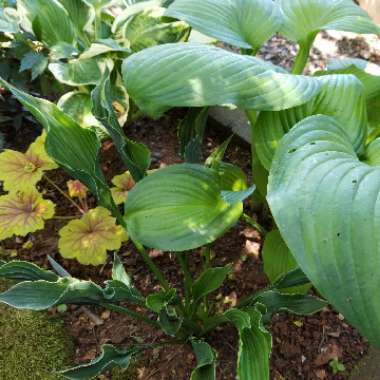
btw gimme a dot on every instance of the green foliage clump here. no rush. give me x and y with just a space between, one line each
32 345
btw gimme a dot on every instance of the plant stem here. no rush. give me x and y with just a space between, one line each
131 313
255 224
188 283
303 54
98 23
52 183
152 266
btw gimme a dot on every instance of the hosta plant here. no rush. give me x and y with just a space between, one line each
315 157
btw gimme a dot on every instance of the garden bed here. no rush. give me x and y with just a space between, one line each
303 346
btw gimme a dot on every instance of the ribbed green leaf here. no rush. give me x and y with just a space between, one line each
325 203
206 361
135 156
74 148
179 208
160 300
23 270
369 74
81 72
243 23
305 17
196 75
255 344
209 281
109 358
49 20
342 97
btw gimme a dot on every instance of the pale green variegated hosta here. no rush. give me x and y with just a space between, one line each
325 200
196 75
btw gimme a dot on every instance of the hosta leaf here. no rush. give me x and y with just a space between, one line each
103 46
196 75
305 17
81 15
179 208
160 300
80 72
206 361
255 344
243 23
118 271
74 148
368 73
278 260
339 93
325 203
143 31
135 156
24 270
49 20
109 358
301 304
35 62
232 177
44 294
293 278
78 105
209 281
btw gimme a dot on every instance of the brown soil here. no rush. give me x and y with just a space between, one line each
303 346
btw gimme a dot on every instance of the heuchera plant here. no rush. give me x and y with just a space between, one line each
315 157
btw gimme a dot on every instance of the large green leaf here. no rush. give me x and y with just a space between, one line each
49 20
206 358
243 23
302 18
179 208
196 75
342 97
74 148
135 156
255 344
81 72
23 270
103 46
109 358
325 203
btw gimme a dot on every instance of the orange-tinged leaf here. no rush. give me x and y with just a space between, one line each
88 239
123 183
21 171
76 189
23 212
